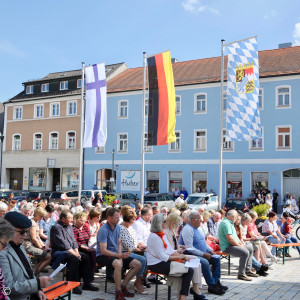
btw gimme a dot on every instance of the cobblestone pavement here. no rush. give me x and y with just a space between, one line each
282 283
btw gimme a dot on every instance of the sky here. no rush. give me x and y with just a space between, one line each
39 37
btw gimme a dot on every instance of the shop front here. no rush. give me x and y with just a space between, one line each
70 178
234 184
153 181
260 181
199 182
37 179
175 181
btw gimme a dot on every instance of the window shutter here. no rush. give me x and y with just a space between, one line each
53 86
72 84
36 88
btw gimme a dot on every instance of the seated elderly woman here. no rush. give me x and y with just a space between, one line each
160 254
274 236
173 221
130 244
33 243
93 225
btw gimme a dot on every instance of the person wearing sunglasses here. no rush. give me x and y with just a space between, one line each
18 274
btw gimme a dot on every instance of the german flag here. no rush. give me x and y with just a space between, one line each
161 112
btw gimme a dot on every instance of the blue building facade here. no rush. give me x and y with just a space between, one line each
193 160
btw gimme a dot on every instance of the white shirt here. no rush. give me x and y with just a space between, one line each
179 201
156 252
142 230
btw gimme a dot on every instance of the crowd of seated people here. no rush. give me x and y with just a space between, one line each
139 239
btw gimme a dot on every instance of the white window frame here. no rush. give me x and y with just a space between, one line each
277 96
195 103
175 150
79 83
51 109
64 85
29 89
50 140
147 149
126 108
119 141
18 113
262 99
34 141
42 88
179 112
255 149
227 149
277 138
195 140
100 150
35 111
14 148
68 108
68 140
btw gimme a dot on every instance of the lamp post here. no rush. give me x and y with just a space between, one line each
1 140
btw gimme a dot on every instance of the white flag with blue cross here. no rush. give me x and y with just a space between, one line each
242 113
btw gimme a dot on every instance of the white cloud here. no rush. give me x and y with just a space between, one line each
197 6
296 34
8 48
271 14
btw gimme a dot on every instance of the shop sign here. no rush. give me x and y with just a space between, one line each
50 162
130 180
200 176
153 175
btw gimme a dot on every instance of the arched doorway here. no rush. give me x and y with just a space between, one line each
291 182
104 180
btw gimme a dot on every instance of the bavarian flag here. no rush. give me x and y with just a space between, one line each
161 112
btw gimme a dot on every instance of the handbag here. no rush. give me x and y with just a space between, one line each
177 269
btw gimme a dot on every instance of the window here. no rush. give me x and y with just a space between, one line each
71 140
54 109
18 111
200 140
63 85
178 105
283 138
45 88
283 97
53 140
39 111
79 83
200 103
175 146
261 99
123 109
37 141
146 147
227 145
122 142
29 89
100 150
72 108
257 144
16 142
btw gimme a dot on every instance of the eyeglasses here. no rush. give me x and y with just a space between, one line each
22 231
4 245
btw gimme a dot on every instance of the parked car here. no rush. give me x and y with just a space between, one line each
90 195
241 204
38 196
64 197
206 200
5 194
20 195
160 199
126 199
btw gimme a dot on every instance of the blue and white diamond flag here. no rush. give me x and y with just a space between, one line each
242 114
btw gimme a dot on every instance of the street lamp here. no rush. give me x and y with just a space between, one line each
1 140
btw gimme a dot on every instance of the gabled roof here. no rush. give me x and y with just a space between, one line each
276 62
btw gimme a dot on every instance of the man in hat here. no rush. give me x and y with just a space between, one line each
15 264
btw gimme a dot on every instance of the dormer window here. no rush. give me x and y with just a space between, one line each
79 83
29 89
45 88
63 85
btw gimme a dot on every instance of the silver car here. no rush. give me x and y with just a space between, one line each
206 200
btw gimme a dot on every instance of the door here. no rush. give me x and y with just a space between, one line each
16 179
56 180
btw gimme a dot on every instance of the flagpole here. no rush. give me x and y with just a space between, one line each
143 133
221 125
81 134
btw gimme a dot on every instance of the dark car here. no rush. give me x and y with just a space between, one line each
5 194
38 196
63 197
241 204
126 199
20 195
160 199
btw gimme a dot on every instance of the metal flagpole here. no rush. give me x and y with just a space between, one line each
221 125
81 133
143 130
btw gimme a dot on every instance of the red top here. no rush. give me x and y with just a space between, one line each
252 227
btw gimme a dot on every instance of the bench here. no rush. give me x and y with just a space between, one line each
283 246
60 290
159 276
225 256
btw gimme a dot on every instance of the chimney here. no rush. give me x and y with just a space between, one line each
174 60
284 45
